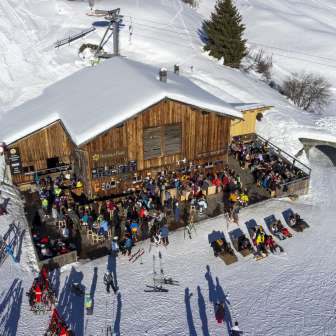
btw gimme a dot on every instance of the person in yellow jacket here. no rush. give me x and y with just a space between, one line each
58 191
233 197
244 198
260 238
45 203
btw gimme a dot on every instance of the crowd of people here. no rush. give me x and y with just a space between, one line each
269 170
145 213
56 201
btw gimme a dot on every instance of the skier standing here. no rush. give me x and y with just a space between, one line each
109 282
115 246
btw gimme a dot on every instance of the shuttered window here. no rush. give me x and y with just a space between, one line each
172 139
164 140
152 142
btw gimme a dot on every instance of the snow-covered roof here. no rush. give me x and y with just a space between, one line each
97 98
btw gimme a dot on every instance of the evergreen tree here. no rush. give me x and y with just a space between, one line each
224 34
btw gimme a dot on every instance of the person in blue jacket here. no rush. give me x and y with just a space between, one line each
128 245
103 229
164 233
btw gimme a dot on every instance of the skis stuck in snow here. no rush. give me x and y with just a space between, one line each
161 279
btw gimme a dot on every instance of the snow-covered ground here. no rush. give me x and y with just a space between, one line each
289 294
280 296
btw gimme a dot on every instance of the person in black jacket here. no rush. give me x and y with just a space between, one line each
109 282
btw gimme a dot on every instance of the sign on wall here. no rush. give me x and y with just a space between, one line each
15 161
115 170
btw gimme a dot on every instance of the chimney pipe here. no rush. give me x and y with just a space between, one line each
163 75
177 69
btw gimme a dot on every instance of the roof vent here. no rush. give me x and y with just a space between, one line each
163 75
177 69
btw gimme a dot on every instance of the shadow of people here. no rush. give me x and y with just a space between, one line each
10 307
55 280
190 320
211 285
112 266
19 246
202 312
116 328
93 285
222 298
70 305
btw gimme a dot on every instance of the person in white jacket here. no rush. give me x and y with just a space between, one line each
115 246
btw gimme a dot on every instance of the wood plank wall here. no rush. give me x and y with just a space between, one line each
248 125
51 141
203 136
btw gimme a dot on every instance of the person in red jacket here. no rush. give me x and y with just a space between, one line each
38 294
219 312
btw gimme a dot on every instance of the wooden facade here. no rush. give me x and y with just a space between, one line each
204 137
166 136
38 152
248 124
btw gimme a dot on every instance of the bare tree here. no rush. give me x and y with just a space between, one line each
263 64
192 3
308 91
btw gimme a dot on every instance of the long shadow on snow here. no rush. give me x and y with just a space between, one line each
211 285
223 298
10 309
116 328
190 320
19 246
55 280
112 267
94 285
202 312
217 295
70 305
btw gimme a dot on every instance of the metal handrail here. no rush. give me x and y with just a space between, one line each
282 151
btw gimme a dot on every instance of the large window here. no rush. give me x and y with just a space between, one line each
164 140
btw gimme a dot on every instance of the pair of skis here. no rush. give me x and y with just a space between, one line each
158 282
135 256
189 228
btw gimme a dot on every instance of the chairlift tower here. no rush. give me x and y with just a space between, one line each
114 18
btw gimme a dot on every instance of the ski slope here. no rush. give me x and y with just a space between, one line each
280 296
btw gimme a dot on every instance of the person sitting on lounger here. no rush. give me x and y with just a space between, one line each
243 243
295 220
277 232
271 244
283 230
